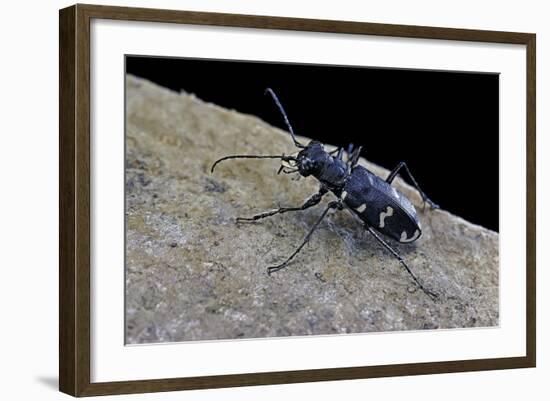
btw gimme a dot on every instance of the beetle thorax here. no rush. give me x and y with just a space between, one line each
314 160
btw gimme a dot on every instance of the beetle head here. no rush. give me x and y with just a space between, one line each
311 159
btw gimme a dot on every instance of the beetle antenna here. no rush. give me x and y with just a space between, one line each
282 157
285 117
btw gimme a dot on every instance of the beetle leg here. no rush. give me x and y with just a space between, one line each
429 293
312 201
354 158
350 150
331 205
403 165
340 154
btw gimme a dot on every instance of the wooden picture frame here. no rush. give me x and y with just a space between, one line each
74 204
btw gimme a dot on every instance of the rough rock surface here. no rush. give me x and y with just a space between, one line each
193 274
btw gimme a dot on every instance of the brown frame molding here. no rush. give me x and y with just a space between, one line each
74 199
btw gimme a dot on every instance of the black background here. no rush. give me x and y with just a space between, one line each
443 124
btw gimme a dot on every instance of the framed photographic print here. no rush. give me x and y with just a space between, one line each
251 200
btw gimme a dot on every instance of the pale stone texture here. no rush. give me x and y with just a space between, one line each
193 274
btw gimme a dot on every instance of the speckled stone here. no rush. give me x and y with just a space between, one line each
192 273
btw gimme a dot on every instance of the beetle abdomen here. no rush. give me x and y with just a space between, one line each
381 206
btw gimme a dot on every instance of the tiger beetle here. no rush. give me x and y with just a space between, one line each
381 208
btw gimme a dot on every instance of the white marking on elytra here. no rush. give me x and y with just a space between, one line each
383 215
405 239
362 208
344 194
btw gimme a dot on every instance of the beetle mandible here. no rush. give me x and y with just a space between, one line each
381 208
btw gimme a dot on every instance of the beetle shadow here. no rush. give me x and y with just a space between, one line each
365 240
